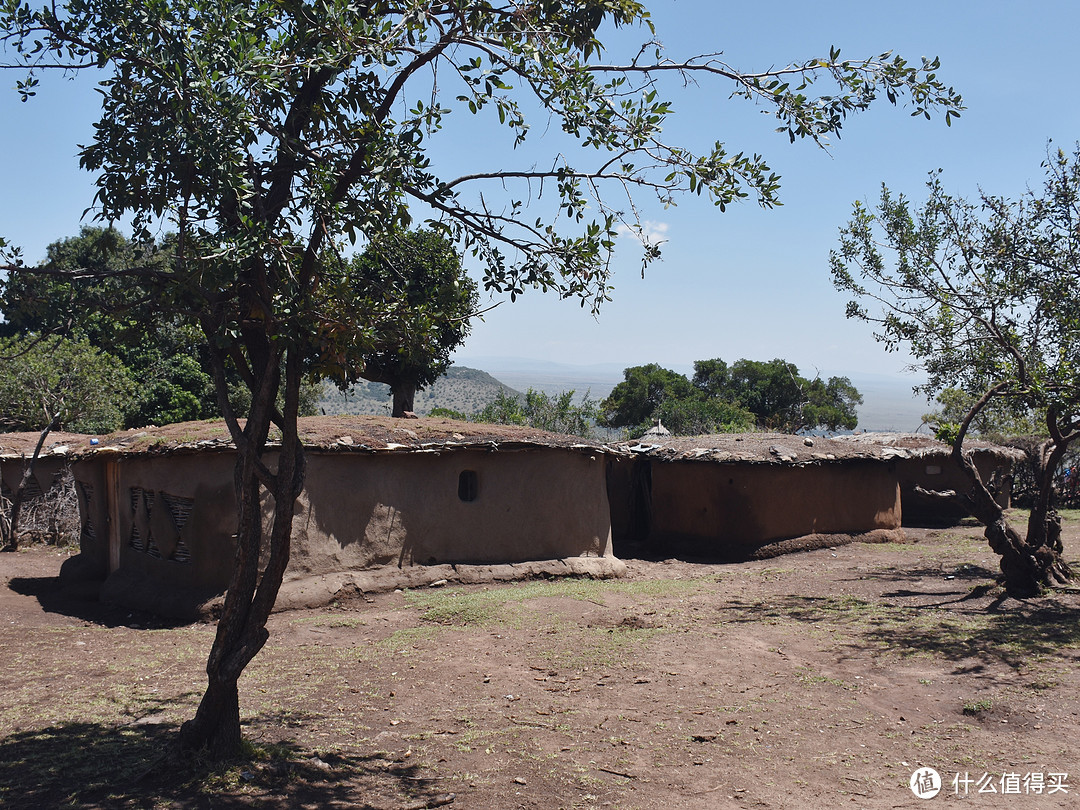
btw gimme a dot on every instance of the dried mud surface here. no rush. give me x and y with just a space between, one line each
818 679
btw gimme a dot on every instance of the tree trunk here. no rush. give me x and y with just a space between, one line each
216 726
11 542
1044 523
1028 565
404 392
260 560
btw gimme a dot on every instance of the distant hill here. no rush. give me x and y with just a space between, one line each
461 389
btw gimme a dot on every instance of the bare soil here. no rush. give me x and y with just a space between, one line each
819 679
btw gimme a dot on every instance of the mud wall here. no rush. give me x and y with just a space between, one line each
733 510
465 506
160 530
942 473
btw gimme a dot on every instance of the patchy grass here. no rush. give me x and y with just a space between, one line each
503 605
577 648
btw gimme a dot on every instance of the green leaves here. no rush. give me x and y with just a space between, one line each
983 293
723 399
556 413
42 377
412 296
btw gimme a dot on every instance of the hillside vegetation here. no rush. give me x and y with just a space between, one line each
462 389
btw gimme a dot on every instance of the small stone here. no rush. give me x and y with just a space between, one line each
438 583
346 440
519 780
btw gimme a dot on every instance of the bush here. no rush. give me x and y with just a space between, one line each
51 517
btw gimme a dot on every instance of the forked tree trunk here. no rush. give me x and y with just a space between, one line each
1044 523
1028 565
253 589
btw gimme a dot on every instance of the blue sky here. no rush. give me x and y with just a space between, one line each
746 283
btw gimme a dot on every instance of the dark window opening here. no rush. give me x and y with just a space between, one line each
467 485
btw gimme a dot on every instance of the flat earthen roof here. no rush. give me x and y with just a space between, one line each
332 433
785 448
382 433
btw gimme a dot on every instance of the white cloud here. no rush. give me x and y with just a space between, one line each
649 233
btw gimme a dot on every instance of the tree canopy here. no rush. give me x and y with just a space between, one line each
984 295
556 413
82 293
427 300
723 399
997 421
268 135
68 384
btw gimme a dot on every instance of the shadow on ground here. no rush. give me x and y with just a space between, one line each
53 598
955 627
91 765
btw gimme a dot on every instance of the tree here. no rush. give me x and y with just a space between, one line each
723 399
51 383
117 314
634 401
54 380
998 420
778 397
985 296
696 416
262 132
830 405
557 414
428 299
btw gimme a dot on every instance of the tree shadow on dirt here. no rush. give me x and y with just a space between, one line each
93 765
1011 632
965 573
54 598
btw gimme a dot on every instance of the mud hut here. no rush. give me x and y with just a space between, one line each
729 497
924 464
384 506
741 496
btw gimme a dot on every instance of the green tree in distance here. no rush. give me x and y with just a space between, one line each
985 295
554 413
84 293
67 382
778 397
730 399
260 132
427 299
644 389
51 383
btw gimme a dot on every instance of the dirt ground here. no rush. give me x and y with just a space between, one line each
820 679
